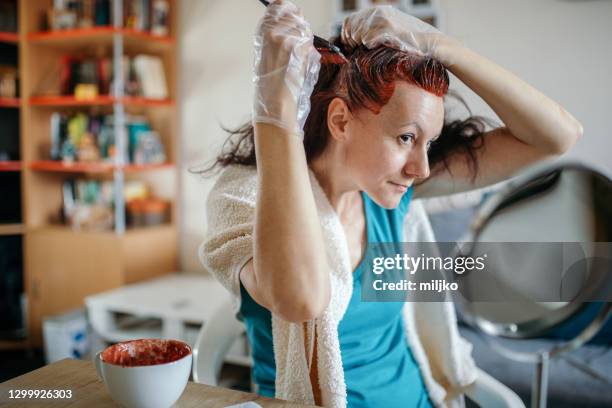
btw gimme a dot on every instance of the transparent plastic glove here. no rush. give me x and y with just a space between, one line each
285 69
386 25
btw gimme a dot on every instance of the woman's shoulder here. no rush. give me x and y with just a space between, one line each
236 176
235 181
237 173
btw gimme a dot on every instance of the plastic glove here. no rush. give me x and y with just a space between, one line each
386 25
285 69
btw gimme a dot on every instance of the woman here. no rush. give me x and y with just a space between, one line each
353 163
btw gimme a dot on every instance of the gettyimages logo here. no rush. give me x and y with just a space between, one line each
411 264
487 271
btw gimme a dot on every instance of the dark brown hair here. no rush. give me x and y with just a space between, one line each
367 81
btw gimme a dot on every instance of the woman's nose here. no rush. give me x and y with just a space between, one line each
417 165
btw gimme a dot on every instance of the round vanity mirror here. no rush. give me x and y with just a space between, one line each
545 244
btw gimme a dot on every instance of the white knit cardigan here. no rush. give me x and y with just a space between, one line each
443 356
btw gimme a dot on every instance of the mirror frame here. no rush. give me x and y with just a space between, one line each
524 185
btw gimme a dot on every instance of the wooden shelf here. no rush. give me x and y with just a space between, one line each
91 33
9 102
11 229
102 36
61 167
8 37
14 344
10 166
68 100
130 232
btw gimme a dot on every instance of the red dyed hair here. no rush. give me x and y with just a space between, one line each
366 80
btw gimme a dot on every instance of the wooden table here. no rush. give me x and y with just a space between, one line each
88 391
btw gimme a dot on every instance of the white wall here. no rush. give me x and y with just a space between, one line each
562 47
216 38
559 46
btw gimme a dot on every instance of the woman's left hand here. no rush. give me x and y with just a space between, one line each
386 25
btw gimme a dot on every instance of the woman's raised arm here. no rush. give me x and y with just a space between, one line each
288 274
535 126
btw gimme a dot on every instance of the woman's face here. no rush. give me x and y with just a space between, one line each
386 152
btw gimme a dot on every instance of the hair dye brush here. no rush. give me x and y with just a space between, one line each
325 48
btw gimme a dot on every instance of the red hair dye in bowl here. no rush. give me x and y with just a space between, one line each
145 352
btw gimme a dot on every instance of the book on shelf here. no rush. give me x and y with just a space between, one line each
143 75
88 138
9 77
89 205
139 15
150 75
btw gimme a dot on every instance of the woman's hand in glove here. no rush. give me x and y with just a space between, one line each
285 69
386 25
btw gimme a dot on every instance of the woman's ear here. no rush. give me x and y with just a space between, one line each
338 115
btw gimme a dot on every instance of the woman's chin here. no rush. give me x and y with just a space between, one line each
388 201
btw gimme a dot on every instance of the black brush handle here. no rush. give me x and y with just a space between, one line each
318 42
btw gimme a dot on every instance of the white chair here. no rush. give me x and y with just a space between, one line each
214 341
218 334
487 392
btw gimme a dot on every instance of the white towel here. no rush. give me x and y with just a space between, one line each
431 328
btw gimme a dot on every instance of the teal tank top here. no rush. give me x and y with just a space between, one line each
379 368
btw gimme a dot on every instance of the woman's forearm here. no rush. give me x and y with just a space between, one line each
531 116
290 262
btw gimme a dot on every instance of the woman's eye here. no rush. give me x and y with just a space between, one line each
406 138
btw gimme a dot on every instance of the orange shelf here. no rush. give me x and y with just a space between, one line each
98 101
135 168
11 229
61 167
8 37
14 344
10 165
93 33
69 101
139 101
9 102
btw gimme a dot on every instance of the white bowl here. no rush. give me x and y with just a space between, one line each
148 386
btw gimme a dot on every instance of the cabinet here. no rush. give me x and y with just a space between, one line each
63 265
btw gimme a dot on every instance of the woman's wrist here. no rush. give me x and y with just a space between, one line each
282 113
449 51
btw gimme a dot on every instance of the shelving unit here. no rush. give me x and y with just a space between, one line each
103 100
96 33
12 165
14 344
92 168
9 37
12 227
61 265
10 102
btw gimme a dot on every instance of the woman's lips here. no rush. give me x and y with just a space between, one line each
399 187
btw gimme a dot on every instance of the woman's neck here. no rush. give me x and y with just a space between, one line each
332 176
